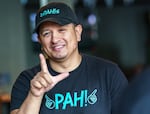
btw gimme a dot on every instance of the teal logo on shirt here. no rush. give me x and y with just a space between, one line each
77 99
53 11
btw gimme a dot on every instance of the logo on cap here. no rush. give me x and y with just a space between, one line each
49 12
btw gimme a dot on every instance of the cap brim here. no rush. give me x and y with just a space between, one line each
59 21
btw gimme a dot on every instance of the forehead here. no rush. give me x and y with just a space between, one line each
48 24
52 25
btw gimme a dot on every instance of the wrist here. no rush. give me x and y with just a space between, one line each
35 96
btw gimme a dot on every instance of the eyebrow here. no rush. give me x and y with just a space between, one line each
43 29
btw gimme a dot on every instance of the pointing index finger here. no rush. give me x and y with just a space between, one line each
43 63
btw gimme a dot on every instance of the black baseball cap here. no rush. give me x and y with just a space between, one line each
57 12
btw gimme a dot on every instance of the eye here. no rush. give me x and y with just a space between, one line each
62 30
45 33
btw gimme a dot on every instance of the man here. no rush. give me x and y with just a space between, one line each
66 81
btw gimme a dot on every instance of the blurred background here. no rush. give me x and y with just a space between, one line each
118 30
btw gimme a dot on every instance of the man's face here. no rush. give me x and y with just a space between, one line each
59 42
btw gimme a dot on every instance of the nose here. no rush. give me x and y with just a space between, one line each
55 37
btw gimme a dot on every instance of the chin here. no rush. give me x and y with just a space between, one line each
59 56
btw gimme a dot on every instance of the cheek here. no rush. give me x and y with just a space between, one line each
45 42
73 43
76 39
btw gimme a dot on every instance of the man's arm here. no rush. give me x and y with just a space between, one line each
28 106
41 83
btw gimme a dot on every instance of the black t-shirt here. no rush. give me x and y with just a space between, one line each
94 87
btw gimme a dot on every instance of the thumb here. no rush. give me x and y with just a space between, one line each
61 76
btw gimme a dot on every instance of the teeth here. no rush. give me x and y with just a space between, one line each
57 47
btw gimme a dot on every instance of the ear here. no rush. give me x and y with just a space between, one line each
39 40
78 29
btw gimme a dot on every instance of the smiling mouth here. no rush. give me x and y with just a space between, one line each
58 47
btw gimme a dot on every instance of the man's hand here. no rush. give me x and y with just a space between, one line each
44 81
